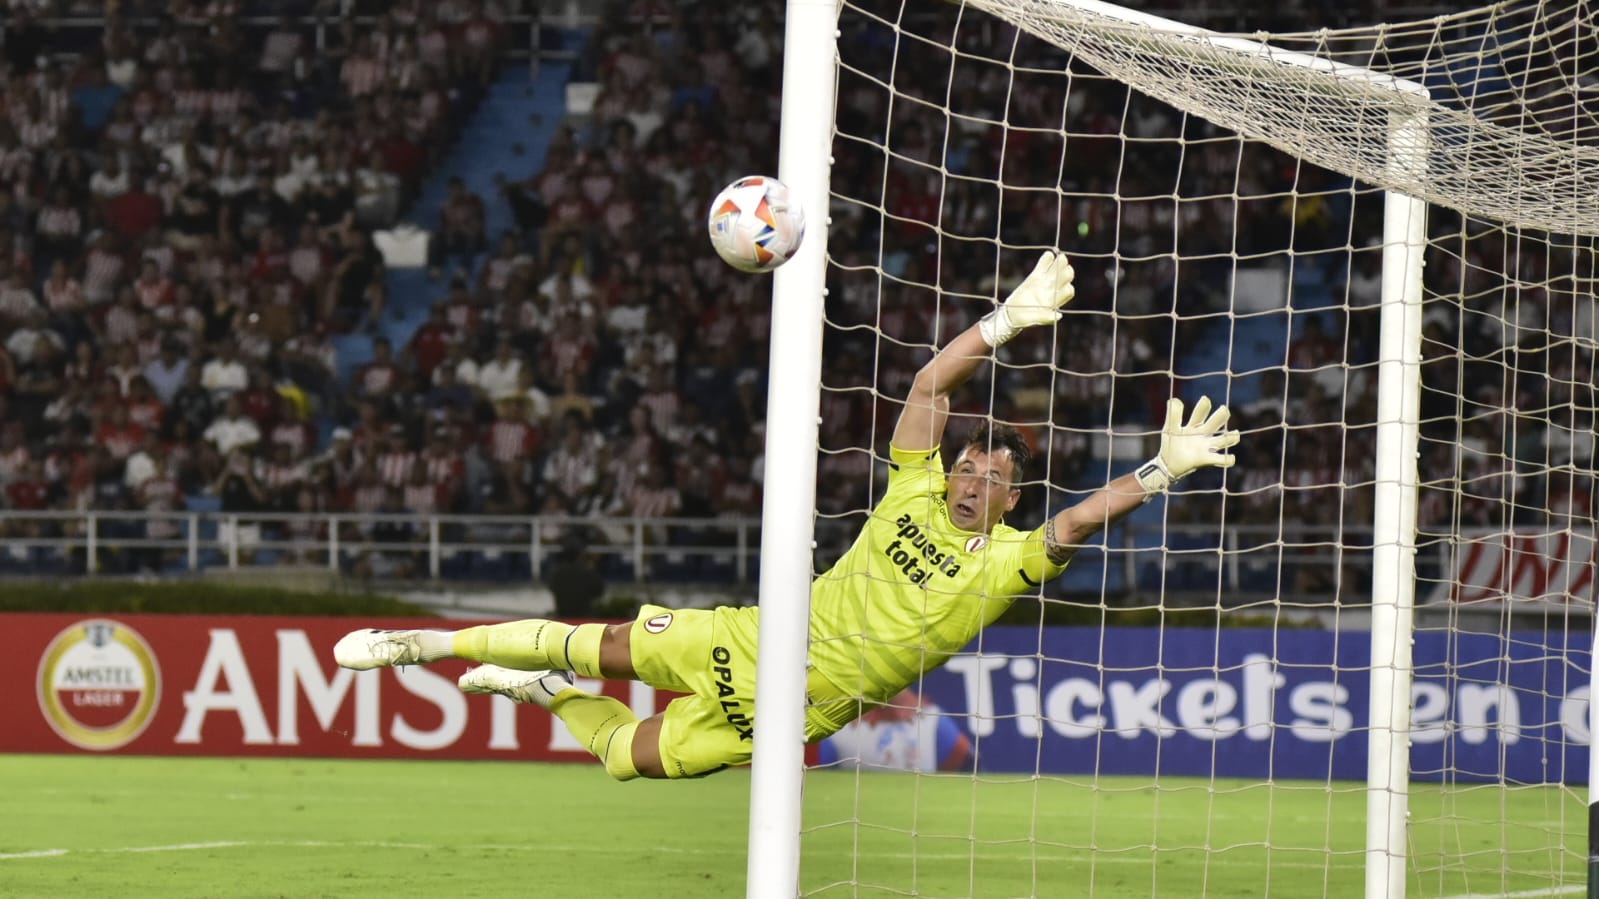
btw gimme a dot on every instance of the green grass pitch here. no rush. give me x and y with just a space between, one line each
117 826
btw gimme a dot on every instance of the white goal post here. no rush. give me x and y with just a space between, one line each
1393 574
787 517
1308 95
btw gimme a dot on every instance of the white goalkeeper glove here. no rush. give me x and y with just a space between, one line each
1036 301
1186 448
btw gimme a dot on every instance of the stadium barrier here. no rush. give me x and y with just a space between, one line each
1248 558
1525 568
1244 702
441 545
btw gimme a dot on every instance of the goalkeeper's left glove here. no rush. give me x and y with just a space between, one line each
1036 301
1185 448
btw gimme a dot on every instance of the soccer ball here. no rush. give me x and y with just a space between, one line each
754 224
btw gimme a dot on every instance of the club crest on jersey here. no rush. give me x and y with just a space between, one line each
917 555
973 544
659 623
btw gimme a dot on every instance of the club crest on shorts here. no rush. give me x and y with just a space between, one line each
98 684
973 544
659 623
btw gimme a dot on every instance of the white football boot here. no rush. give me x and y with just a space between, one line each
538 687
376 648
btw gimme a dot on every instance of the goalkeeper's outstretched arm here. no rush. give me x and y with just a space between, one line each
1036 301
1184 448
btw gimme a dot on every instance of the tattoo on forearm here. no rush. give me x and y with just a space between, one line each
1053 549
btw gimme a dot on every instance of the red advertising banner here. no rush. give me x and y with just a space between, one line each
214 685
1544 568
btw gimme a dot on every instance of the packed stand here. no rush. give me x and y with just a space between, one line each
597 361
187 225
661 140
620 367
651 353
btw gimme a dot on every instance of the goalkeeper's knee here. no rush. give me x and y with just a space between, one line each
618 755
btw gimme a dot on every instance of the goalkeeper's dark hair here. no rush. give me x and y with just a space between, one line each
988 436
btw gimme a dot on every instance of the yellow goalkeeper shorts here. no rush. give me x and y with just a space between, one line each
710 655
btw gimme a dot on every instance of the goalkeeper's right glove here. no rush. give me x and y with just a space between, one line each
1185 448
1036 301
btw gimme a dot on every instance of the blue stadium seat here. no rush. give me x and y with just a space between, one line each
355 350
203 503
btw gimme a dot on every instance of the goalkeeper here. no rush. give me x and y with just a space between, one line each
934 564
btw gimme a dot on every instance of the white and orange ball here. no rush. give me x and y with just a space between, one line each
754 225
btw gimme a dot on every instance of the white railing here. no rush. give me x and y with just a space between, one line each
197 540
1245 559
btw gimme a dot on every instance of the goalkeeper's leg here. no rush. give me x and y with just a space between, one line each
533 644
692 738
606 727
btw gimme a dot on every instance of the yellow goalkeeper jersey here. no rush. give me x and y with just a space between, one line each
914 589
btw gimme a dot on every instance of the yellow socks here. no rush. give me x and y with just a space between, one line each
532 645
602 724
605 726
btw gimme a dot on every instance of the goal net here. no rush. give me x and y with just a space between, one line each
1187 710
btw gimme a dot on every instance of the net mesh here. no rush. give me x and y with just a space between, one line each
1505 91
1184 711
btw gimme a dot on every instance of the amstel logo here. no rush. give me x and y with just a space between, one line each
99 684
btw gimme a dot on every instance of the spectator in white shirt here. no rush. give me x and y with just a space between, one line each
167 371
283 45
535 402
315 351
377 194
362 72
499 377
110 180
103 268
24 342
63 294
466 370
653 497
121 67
17 301
235 180
232 429
287 182
568 293
572 468
225 374
628 316
141 463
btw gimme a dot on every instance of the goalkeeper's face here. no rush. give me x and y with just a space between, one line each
981 489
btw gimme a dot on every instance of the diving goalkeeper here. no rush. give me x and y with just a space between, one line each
934 564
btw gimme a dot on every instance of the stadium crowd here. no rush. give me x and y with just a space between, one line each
187 222
188 225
